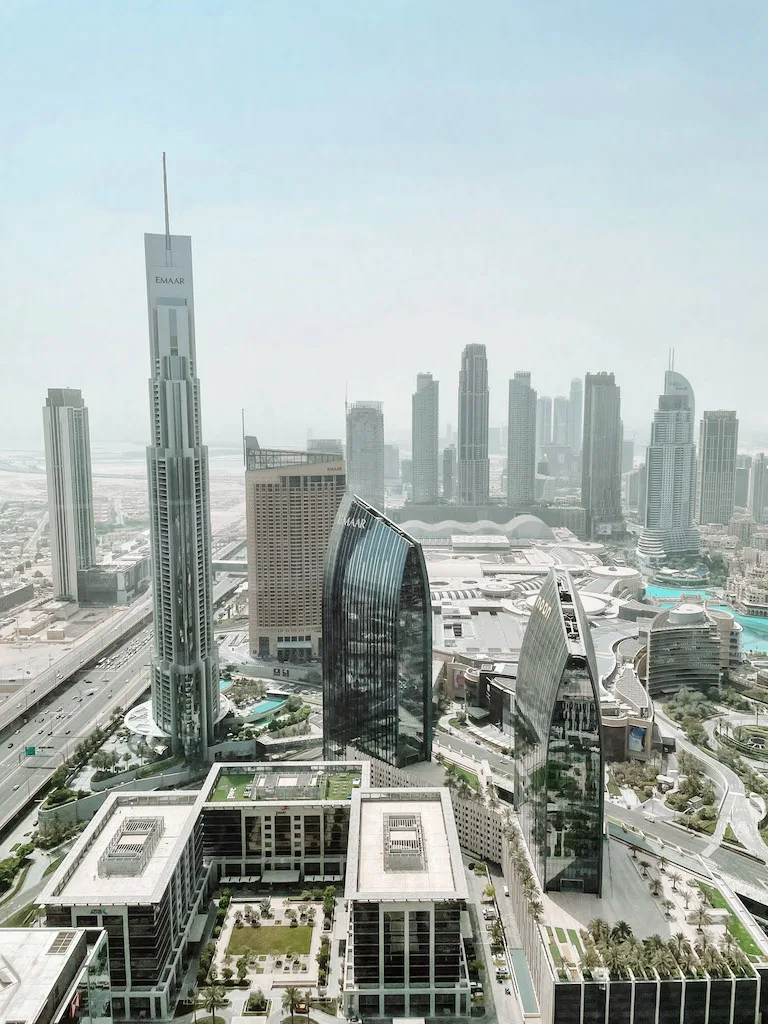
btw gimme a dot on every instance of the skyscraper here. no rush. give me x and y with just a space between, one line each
365 452
521 441
291 501
716 476
449 472
758 488
328 445
560 420
185 668
670 462
543 422
558 742
70 488
473 466
601 455
377 641
425 431
575 414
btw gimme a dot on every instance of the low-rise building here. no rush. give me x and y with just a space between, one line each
51 975
690 645
280 823
138 872
406 889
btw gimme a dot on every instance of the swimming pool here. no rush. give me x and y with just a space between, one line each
755 630
267 705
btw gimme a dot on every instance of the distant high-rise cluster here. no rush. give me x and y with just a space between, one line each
70 488
473 465
758 488
365 452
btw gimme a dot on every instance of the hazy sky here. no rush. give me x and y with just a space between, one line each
372 185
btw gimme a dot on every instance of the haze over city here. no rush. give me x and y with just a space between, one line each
383 513
370 188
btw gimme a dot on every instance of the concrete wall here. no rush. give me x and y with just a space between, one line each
84 809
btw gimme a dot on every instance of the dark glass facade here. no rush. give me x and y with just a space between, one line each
669 1001
558 743
377 641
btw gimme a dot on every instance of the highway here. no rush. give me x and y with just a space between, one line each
86 650
58 724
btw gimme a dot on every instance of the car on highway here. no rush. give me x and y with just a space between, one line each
15 787
67 732
10 745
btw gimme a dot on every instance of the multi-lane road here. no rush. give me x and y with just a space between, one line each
60 721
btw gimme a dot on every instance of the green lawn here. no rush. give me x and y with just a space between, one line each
556 957
469 777
277 939
735 927
561 936
575 942
237 782
340 787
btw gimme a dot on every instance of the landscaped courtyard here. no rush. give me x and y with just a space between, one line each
340 786
276 940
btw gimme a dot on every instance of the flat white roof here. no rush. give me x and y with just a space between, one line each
376 813
30 966
77 882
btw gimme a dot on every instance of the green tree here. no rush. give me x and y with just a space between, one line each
489 891
701 917
669 906
214 997
291 999
675 877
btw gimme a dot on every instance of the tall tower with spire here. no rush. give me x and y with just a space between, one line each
185 672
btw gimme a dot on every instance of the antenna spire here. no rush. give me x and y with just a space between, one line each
165 204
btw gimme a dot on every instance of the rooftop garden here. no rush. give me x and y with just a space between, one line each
340 786
615 951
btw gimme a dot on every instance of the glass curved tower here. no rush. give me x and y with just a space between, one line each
185 671
377 641
558 742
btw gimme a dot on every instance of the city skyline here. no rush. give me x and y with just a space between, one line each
322 260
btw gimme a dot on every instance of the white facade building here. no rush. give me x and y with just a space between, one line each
70 488
758 488
138 872
405 886
670 463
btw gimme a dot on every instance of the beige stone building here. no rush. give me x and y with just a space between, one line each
291 502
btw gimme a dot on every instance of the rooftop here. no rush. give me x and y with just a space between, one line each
403 846
286 781
107 866
32 960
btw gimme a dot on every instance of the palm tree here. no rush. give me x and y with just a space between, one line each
687 897
464 790
621 931
536 908
214 997
655 887
669 906
644 865
291 999
675 877
615 959
599 930
701 917
451 779
662 863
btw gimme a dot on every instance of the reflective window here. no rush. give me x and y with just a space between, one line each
377 650
558 742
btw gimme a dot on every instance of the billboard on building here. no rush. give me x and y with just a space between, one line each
637 734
